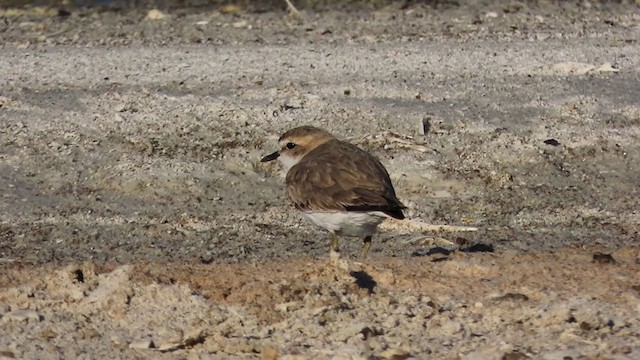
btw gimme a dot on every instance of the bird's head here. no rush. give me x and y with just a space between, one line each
296 143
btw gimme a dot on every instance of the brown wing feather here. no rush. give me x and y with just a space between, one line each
357 182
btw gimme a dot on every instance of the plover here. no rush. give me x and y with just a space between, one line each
336 185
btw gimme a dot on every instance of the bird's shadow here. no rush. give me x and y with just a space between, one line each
364 281
479 247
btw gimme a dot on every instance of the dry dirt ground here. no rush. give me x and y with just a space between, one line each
136 220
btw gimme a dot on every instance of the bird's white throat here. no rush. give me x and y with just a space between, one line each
288 162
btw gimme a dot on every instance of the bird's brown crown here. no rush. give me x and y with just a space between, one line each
299 141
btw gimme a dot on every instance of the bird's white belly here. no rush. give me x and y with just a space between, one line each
360 224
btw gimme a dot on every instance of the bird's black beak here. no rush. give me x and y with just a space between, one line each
270 157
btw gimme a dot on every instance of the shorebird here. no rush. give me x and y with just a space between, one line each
336 185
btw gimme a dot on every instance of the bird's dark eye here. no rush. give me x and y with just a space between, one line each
291 145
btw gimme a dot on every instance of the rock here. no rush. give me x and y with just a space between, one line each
141 344
384 277
240 24
229 9
48 334
390 322
269 353
286 307
118 340
155 14
23 316
192 337
393 354
193 356
168 339
167 345
110 284
606 67
121 107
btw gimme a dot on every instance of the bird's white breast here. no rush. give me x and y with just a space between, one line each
359 224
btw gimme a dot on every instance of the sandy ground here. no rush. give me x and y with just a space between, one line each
136 220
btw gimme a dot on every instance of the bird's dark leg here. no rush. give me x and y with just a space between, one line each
366 244
334 242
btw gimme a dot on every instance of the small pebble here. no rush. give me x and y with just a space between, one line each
155 14
23 315
141 344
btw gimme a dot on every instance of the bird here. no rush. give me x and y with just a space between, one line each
336 185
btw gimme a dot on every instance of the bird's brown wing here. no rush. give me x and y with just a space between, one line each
340 176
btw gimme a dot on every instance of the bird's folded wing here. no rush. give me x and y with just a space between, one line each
354 183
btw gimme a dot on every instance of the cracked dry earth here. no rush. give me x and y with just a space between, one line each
136 220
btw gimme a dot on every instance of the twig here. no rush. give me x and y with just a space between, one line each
408 225
293 10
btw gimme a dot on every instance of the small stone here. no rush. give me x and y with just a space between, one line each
118 340
193 356
141 344
606 67
23 316
229 9
111 287
491 14
156 14
194 336
395 354
168 339
48 334
89 333
390 322
121 107
286 307
269 353
239 24
167 345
